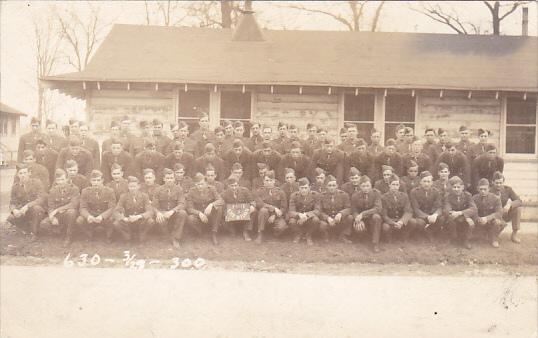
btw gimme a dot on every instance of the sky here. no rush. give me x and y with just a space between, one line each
18 85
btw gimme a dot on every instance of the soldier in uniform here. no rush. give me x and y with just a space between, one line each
237 173
460 209
63 202
53 139
161 140
334 211
211 179
80 181
115 133
203 135
397 212
76 152
26 203
179 156
118 183
150 158
238 154
97 204
268 155
134 212
464 145
352 186
350 144
411 180
138 143
388 157
441 146
290 183
239 133
480 147
416 154
311 140
511 204
185 182
204 206
90 144
282 142
375 148
442 183
255 137
169 207
330 159
218 142
46 157
228 135
271 204
36 170
400 143
28 141
303 215
211 158
343 137
180 132
490 212
117 155
485 165
429 144
457 163
366 209
235 194
149 186
362 159
383 185
320 181
258 182
294 137
295 160
427 206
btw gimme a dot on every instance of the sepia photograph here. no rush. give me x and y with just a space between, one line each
240 168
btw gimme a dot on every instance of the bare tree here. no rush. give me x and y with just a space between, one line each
164 13
351 15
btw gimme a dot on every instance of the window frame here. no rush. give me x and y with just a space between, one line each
191 121
245 121
504 125
360 123
385 122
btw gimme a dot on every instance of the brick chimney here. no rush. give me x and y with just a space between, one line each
248 29
525 21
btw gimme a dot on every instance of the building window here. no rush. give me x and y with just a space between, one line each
236 106
399 109
4 126
520 126
14 126
191 104
359 110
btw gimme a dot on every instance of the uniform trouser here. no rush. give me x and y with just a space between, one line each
343 228
513 215
279 224
307 228
66 223
493 228
127 229
174 225
373 225
213 221
88 229
406 229
458 228
29 221
422 224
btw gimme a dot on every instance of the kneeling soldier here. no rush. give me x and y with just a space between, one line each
26 204
511 204
460 208
271 203
97 204
303 217
366 209
134 212
240 207
204 206
489 212
169 206
427 205
397 211
62 206
334 211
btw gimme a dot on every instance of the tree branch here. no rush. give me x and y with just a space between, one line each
319 11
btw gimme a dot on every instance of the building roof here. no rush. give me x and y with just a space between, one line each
134 53
4 108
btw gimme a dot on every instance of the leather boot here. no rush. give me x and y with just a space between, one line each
515 238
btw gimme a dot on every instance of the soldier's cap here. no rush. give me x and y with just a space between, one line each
330 178
209 148
237 166
386 167
282 124
412 164
322 130
238 124
35 120
343 131
209 167
443 165
261 166
303 181
114 166
441 131
59 173
218 129
455 180
96 174
490 147
148 142
179 166
270 174
390 142
497 176
72 164
266 145
429 129
361 142
114 124
116 140
132 179
156 122
74 141
237 143
483 181
198 177
168 171
319 171
328 141
21 166
463 128
41 141
49 122
310 125
364 179
295 145
354 172
393 178
400 127
28 152
291 126
289 171
425 173
148 171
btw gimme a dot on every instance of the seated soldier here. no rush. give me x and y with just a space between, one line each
117 155
271 204
204 207
334 212
134 212
211 179
149 185
352 186
169 207
178 155
237 173
290 185
71 167
234 195
480 147
303 215
320 181
63 202
397 212
36 170
412 180
150 158
382 185
26 203
460 210
427 206
489 216
97 204
442 184
511 204
366 210
118 183
185 182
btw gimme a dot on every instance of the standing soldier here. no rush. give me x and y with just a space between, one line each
97 204
271 204
485 165
282 142
303 215
115 133
400 142
184 181
203 135
36 170
290 183
427 205
53 139
334 211
150 158
490 212
366 208
211 158
362 159
80 181
417 155
412 180
457 162
63 202
239 132
388 157
464 145
442 184
511 204
133 213
397 212
28 141
75 152
161 140
238 154
118 183
350 144
268 155
460 209
169 206
330 159
90 144
204 206
255 137
295 160
180 131
312 139
429 144
179 156
116 155
480 147
237 173
125 132
233 196
218 142
46 157
138 143
352 186
383 185
441 146
375 148
26 203
228 135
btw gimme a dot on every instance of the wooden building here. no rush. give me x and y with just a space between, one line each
374 79
9 133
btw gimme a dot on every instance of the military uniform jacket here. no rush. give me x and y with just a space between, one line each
217 163
28 142
124 159
161 142
84 160
149 159
48 159
477 150
464 147
185 183
442 186
375 149
506 193
201 138
64 196
120 187
41 173
488 206
241 195
253 142
462 202
301 165
410 183
55 142
311 144
457 164
303 204
317 187
270 198
394 160
80 181
289 188
349 188
134 203
439 149
424 162
186 159
329 205
483 167
93 147
332 163
98 200
366 203
426 202
245 159
257 183
429 149
137 145
396 206
149 189
198 200
349 145
189 146
383 187
282 145
31 192
402 146
108 143
272 161
218 185
362 161
167 198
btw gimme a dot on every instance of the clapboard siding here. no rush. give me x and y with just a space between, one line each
297 109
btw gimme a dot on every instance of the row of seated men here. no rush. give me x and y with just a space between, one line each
411 204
